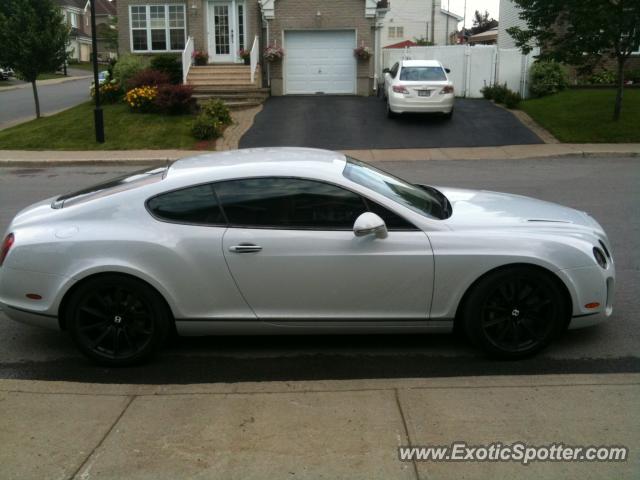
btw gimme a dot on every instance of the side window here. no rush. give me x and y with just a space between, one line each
189 205
392 220
289 203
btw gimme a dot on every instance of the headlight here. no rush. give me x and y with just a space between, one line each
599 256
604 247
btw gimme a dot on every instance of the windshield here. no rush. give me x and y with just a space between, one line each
422 74
428 202
119 184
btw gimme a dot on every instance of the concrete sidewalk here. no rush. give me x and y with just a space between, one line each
320 429
29 158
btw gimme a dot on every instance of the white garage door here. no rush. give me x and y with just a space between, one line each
320 61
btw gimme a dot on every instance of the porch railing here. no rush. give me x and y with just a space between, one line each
186 58
255 56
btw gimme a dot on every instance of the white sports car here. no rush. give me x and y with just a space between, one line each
288 240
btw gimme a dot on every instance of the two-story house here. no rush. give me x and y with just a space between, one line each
318 38
408 20
77 16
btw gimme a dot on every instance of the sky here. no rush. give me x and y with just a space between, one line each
457 7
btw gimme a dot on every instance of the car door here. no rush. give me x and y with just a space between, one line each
291 249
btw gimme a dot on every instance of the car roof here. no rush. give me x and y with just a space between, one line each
421 63
260 161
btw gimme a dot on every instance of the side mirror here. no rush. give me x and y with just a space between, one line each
448 70
385 70
368 223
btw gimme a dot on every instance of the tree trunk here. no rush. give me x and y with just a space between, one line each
620 89
35 97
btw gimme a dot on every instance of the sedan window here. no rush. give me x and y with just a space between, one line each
193 205
289 203
422 74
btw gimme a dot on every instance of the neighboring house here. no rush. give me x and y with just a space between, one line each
490 37
77 15
413 19
509 17
318 37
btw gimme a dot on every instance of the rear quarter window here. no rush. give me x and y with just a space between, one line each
193 205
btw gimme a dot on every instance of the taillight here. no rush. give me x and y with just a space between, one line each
6 245
447 89
400 89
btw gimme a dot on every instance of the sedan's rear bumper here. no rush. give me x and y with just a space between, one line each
401 104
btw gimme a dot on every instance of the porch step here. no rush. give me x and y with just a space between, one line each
229 82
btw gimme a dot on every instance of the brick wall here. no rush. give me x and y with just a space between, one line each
335 14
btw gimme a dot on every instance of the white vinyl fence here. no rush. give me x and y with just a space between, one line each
472 67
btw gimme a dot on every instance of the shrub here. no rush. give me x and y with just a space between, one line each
200 57
499 92
547 77
603 77
128 65
488 92
110 92
632 74
205 127
168 63
216 109
511 99
141 99
148 77
174 99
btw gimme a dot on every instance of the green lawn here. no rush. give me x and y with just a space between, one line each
585 116
73 130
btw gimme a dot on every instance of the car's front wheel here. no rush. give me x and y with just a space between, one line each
515 312
117 320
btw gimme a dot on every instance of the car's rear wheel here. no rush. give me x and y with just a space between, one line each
117 320
515 312
449 116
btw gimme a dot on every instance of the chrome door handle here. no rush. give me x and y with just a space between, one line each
245 248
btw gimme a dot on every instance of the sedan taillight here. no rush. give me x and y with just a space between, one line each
400 89
6 245
447 89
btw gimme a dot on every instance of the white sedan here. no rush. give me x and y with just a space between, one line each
418 86
286 240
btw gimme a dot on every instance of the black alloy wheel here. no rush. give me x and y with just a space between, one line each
515 312
117 320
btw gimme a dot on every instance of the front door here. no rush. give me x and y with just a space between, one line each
292 252
222 31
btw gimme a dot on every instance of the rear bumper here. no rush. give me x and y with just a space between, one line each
401 104
30 317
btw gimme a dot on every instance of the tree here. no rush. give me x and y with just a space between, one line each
581 32
482 22
33 38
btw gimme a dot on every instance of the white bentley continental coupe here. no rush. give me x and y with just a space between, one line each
288 240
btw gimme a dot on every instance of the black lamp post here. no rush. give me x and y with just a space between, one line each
97 112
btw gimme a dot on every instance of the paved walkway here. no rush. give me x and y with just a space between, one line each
144 157
323 429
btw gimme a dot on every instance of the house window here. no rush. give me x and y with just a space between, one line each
157 27
241 26
73 19
396 32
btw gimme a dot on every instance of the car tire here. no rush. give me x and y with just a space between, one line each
449 116
515 312
117 320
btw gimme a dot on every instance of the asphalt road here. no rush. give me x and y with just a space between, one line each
328 122
18 105
606 187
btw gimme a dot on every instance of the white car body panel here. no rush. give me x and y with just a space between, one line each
301 280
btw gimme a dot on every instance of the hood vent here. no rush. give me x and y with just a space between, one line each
547 220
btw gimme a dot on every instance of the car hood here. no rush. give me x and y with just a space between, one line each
485 209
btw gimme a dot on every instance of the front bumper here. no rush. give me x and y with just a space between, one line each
588 286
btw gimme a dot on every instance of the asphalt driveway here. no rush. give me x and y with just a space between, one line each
343 123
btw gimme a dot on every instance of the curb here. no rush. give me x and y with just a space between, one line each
163 160
40 83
